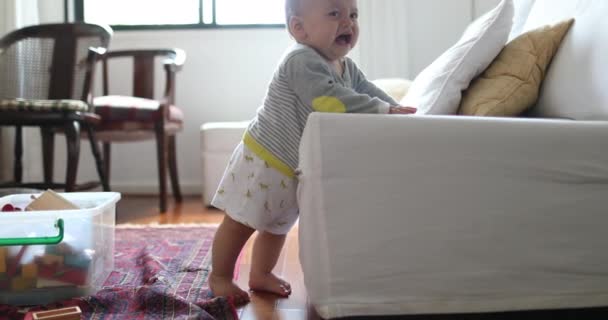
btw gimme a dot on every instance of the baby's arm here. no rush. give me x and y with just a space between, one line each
313 82
402 110
365 86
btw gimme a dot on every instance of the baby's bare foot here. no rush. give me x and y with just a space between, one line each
268 282
225 287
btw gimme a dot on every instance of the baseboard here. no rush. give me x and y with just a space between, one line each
149 189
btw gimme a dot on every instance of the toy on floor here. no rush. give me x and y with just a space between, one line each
50 200
70 313
9 208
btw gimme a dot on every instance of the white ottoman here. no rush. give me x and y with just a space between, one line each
218 140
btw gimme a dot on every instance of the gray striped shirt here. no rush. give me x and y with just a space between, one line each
305 82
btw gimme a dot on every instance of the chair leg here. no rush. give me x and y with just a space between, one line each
107 157
161 149
177 194
72 137
48 153
103 177
17 164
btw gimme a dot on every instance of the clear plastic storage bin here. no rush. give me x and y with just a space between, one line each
48 256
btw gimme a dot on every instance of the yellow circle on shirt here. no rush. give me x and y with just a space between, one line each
328 104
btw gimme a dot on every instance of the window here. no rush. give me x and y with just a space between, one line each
167 14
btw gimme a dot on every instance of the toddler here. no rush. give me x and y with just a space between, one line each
258 189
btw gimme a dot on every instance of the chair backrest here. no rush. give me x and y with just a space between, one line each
50 61
144 62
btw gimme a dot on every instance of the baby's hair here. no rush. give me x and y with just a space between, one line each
291 8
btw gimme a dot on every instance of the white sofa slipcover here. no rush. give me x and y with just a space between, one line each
446 214
423 214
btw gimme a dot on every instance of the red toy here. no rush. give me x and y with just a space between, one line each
9 208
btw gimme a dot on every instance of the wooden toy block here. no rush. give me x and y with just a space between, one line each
29 270
3 255
63 274
22 284
81 261
49 259
50 200
48 283
13 264
60 249
70 313
4 281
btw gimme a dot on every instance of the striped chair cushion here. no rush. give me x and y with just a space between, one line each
42 105
132 109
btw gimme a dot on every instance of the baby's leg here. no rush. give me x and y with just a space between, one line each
229 240
266 250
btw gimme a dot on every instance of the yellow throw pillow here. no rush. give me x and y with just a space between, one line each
511 83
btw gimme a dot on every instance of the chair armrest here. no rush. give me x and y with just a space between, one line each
175 61
172 64
99 51
144 60
93 55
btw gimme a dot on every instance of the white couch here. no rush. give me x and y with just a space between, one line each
448 214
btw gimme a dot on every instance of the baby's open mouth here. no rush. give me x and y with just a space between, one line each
344 39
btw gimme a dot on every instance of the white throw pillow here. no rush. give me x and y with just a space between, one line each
437 89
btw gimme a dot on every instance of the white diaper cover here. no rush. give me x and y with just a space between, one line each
257 195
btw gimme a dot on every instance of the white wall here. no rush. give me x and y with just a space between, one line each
226 73
435 25
482 6
400 38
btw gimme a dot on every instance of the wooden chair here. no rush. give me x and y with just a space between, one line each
46 72
142 116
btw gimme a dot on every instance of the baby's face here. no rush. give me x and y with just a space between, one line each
331 26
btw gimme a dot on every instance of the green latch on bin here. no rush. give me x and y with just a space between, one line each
35 240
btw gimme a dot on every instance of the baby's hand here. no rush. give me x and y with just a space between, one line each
402 110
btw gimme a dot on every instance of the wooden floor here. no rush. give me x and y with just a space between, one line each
144 210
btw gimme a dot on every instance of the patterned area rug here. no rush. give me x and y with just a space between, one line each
160 273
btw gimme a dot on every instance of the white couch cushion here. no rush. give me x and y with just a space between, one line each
436 90
575 84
